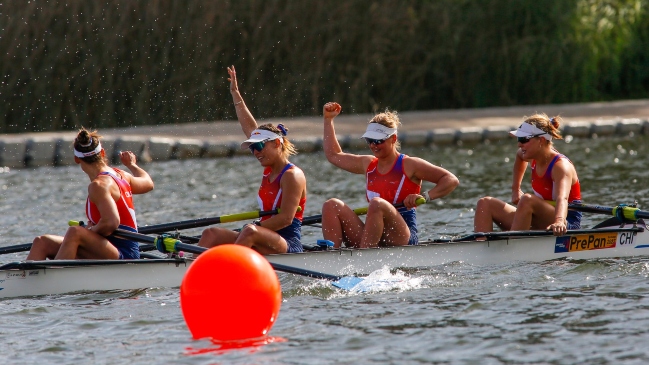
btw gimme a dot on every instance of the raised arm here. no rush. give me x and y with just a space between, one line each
520 165
247 121
335 155
139 179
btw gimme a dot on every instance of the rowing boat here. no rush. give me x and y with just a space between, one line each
606 241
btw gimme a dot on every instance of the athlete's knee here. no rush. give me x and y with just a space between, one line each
332 204
41 243
74 232
247 232
486 203
526 200
377 204
209 235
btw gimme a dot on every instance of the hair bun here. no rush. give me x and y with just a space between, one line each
84 138
554 122
282 129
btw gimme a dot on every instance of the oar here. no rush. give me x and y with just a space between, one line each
170 244
15 248
621 212
202 222
359 211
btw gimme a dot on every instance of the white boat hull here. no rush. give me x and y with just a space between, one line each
59 277
534 249
109 275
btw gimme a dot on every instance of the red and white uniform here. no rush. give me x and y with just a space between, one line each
125 206
393 186
269 196
543 185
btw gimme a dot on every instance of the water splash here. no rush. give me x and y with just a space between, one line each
384 280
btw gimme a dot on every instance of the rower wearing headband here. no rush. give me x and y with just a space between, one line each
392 178
555 184
109 206
283 185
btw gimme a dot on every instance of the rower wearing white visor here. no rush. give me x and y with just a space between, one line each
555 184
392 178
283 187
109 206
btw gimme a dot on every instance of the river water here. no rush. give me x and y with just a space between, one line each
559 312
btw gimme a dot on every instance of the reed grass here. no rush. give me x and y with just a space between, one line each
126 62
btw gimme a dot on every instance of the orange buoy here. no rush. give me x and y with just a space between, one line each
230 292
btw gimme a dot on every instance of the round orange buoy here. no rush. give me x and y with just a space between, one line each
230 293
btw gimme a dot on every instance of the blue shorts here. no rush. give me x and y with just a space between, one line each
293 235
128 250
573 218
410 216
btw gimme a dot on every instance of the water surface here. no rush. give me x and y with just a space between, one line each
558 312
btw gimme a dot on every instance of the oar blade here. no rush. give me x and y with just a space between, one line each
347 282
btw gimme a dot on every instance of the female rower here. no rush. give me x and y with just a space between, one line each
109 206
554 182
283 185
392 178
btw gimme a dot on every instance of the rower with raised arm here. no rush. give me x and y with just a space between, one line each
555 184
283 185
391 178
109 206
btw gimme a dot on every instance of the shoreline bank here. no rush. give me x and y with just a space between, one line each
419 128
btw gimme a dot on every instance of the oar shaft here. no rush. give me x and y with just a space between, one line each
202 222
15 248
627 212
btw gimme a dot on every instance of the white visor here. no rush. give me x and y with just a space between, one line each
378 131
529 130
89 153
260 135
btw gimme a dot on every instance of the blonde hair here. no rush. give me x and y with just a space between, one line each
87 141
288 148
389 119
546 124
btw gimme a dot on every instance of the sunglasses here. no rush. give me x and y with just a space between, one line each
375 141
526 139
257 146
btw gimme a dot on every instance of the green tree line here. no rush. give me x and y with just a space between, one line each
114 63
